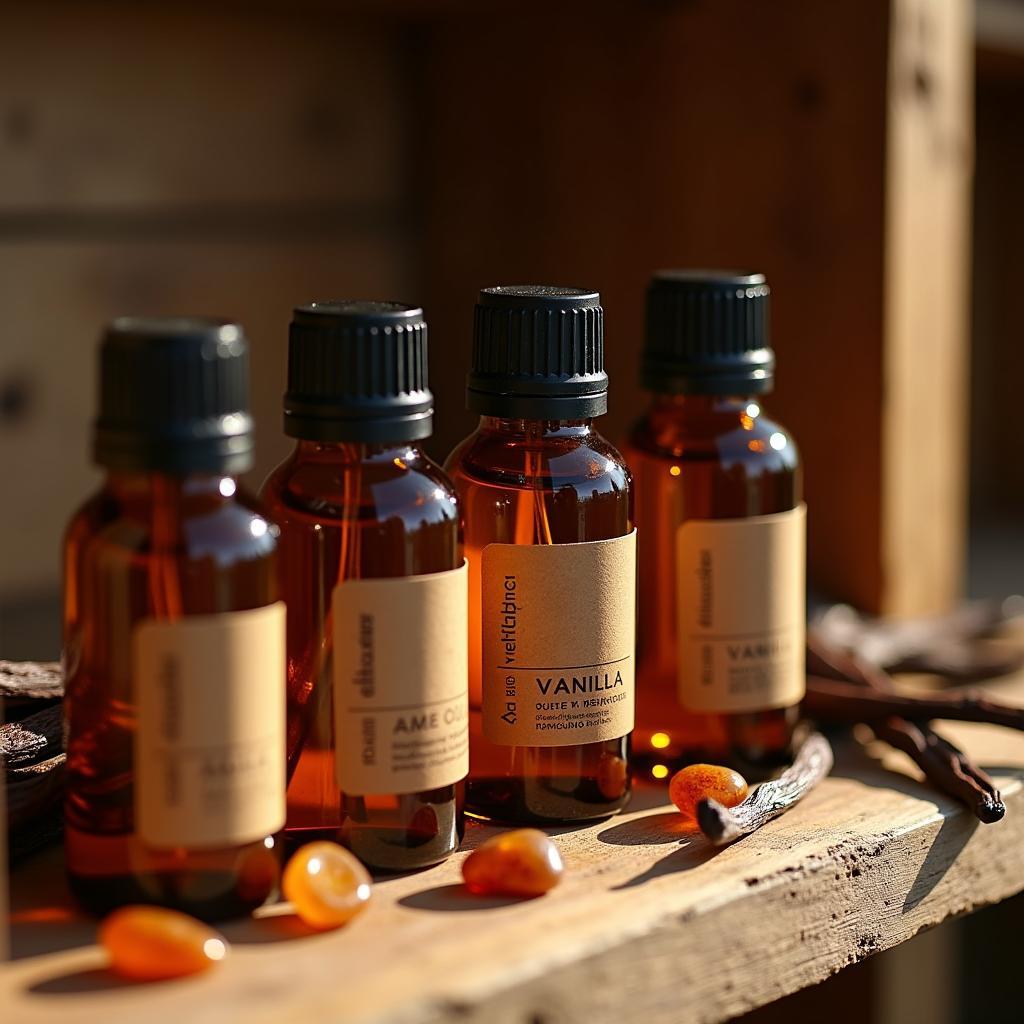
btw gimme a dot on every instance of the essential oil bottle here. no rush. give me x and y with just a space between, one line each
721 532
173 636
376 591
547 529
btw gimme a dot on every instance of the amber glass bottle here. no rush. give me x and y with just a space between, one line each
173 637
548 535
373 579
720 533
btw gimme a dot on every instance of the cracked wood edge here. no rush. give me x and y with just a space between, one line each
795 928
650 922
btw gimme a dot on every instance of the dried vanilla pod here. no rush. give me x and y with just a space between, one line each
725 824
843 688
951 646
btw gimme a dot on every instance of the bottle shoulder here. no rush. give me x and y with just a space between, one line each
225 527
727 437
559 461
404 485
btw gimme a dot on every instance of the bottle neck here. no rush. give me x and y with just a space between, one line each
703 404
531 429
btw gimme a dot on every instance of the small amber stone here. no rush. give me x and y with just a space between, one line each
697 782
326 885
523 862
153 943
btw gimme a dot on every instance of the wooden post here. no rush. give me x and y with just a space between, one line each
827 144
929 158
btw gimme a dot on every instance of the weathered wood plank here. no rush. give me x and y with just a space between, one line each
51 347
117 107
32 755
23 683
650 923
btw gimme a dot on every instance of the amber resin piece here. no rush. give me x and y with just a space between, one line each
154 943
698 782
523 862
326 885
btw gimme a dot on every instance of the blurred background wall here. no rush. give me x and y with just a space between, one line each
236 159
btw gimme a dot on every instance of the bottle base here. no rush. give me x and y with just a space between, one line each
541 801
435 832
107 872
99 895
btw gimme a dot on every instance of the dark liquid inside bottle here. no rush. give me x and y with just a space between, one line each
164 548
529 482
700 457
349 512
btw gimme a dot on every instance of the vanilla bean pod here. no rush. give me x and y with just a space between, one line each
830 700
951 646
724 824
944 765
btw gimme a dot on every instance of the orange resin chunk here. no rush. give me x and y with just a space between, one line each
523 862
697 782
153 943
326 884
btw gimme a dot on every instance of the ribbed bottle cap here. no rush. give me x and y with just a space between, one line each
707 333
174 397
538 353
357 371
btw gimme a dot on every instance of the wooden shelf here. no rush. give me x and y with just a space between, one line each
650 924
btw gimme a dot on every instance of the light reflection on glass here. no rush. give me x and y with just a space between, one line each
214 949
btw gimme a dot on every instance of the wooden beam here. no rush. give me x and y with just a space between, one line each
929 160
595 150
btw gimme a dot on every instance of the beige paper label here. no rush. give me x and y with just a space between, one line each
559 633
401 683
209 746
741 608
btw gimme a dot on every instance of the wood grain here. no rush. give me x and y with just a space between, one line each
929 167
122 107
784 137
650 924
